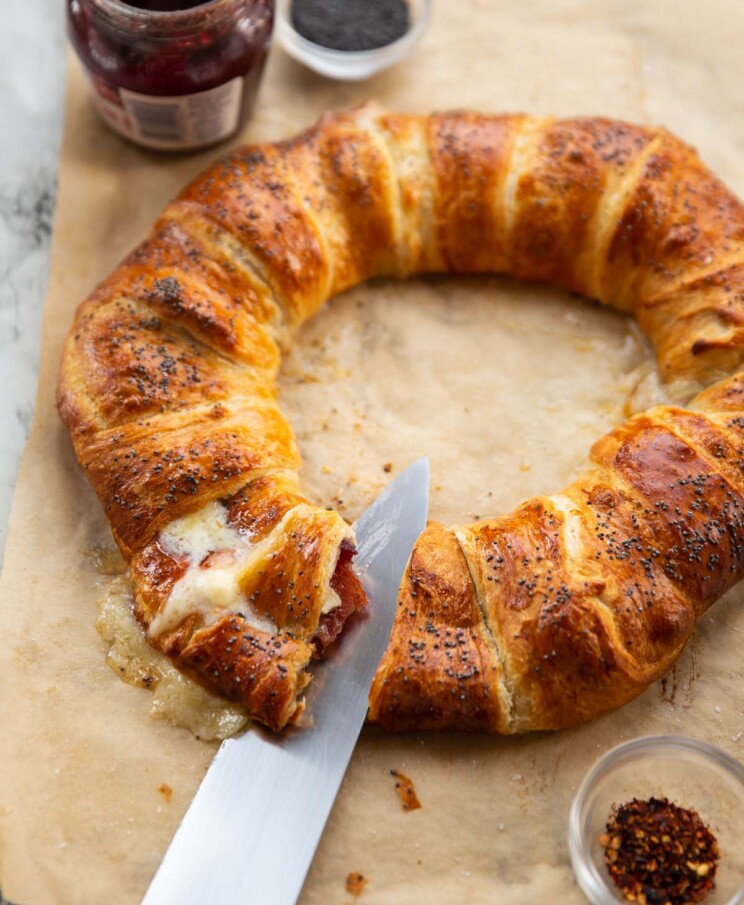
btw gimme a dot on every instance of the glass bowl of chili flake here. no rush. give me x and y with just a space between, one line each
683 772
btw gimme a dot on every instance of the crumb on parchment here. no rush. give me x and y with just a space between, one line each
405 790
355 883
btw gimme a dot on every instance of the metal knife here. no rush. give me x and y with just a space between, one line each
251 831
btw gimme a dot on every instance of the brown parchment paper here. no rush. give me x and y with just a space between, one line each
503 385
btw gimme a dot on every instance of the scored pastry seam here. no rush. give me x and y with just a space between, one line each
604 223
571 530
394 186
505 683
242 256
420 222
529 133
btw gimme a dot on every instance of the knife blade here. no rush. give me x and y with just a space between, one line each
250 833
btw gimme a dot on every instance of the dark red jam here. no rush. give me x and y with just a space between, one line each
173 74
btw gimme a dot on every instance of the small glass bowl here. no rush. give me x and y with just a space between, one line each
350 65
688 772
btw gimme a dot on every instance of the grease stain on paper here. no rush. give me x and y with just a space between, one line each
678 687
175 697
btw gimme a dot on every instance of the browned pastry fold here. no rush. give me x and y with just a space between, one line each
569 606
588 595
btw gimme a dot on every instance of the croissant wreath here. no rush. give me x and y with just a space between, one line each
544 618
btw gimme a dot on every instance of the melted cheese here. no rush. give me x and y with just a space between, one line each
175 697
201 532
216 591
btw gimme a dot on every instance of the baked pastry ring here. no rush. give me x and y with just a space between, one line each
566 608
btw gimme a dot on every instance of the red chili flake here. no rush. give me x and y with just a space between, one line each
658 853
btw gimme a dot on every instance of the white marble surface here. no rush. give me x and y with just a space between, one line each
32 45
31 97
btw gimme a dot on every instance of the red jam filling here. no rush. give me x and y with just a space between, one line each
353 599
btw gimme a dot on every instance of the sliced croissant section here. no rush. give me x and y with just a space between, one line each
695 509
134 364
556 638
263 672
246 196
244 596
361 201
407 142
189 280
442 669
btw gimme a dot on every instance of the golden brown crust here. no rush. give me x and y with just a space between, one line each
246 196
721 397
698 328
148 473
543 618
569 174
470 156
441 669
678 223
263 672
589 595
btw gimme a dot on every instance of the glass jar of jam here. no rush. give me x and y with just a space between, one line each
175 75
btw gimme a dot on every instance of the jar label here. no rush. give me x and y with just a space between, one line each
176 123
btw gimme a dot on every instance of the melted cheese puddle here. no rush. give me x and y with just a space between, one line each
175 697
